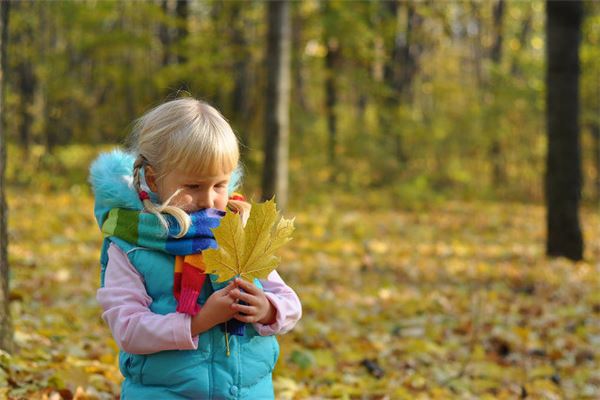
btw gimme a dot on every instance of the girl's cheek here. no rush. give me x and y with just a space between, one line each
221 203
183 199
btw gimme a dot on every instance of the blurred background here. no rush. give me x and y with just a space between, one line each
418 149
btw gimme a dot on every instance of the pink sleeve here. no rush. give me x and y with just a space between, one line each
135 328
286 303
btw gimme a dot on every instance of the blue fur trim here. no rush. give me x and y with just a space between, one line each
111 177
236 179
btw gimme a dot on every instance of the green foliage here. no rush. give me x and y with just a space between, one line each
99 65
66 169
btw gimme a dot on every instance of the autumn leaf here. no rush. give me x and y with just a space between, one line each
249 252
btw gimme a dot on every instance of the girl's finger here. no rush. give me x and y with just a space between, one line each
247 286
240 308
225 291
247 297
245 318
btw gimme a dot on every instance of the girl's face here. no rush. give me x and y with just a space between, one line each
196 192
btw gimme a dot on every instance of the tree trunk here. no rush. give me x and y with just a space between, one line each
242 74
332 61
129 81
495 150
181 33
6 330
526 30
563 163
496 51
47 44
275 169
164 33
182 12
331 68
26 79
400 71
299 68
595 131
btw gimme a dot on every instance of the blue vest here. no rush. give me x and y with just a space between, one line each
205 373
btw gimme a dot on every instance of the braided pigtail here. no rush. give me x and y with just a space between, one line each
240 206
180 216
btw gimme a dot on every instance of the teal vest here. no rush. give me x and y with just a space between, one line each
205 373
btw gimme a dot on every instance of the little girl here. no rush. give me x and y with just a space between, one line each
156 206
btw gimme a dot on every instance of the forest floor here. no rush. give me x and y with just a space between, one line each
456 301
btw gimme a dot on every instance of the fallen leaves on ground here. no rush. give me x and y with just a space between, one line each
453 302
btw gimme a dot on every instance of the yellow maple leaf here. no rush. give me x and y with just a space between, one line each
248 252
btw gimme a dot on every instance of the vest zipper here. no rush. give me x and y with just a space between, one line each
227 340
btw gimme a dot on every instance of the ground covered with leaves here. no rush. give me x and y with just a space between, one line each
452 301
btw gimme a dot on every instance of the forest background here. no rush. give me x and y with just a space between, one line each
417 154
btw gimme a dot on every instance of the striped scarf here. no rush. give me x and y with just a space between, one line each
145 230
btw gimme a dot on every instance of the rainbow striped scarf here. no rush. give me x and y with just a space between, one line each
145 230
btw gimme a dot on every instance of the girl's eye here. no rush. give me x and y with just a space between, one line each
192 187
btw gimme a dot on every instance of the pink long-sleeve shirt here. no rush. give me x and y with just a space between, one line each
138 330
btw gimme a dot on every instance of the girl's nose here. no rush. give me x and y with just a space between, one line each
205 200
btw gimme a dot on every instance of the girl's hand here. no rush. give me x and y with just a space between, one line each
257 309
216 310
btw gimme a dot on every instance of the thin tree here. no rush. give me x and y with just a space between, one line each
277 118
26 79
332 61
400 69
495 151
242 69
563 163
6 335
182 10
174 48
164 34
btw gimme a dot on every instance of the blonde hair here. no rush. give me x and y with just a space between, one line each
184 133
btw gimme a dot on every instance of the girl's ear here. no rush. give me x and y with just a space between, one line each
150 177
